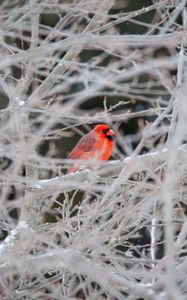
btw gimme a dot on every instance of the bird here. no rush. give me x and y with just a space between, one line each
95 145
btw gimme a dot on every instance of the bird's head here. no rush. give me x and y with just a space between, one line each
104 130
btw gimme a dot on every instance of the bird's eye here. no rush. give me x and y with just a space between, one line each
105 131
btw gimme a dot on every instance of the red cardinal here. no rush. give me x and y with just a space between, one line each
97 144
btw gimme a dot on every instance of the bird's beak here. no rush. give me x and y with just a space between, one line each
110 132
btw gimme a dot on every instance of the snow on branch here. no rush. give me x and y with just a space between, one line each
72 181
13 237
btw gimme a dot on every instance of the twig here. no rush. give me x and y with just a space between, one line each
13 236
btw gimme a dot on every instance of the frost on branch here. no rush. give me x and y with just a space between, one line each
111 230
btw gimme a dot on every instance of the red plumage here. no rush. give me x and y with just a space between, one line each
97 144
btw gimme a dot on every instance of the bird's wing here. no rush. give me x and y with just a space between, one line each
86 144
